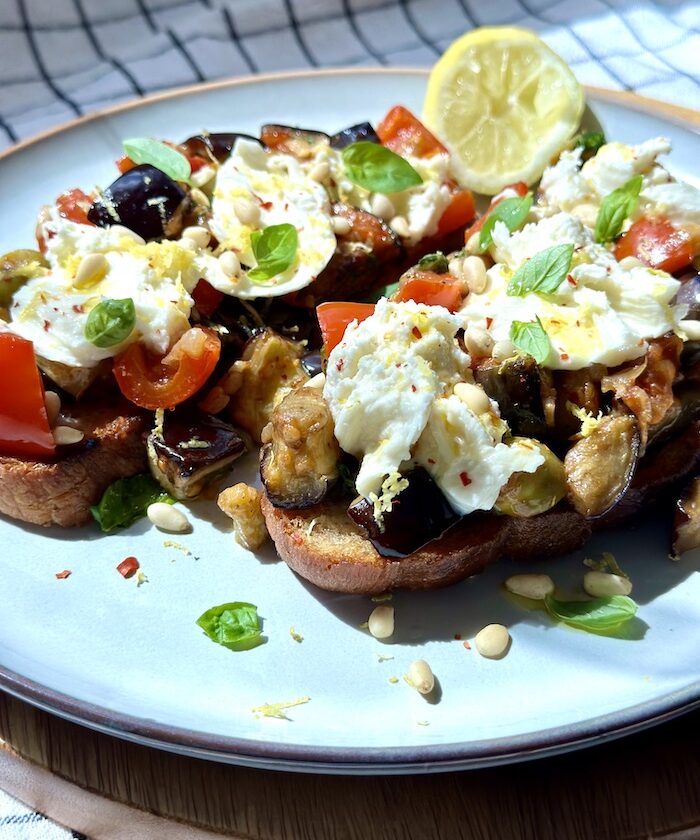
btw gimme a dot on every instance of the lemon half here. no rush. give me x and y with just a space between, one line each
504 104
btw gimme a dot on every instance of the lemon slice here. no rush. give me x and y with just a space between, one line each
504 104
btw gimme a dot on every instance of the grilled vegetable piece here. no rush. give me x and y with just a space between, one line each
515 385
215 146
302 143
300 463
16 267
144 199
312 363
689 294
419 513
353 134
528 494
686 523
600 467
190 450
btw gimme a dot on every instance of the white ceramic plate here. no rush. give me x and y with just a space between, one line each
131 661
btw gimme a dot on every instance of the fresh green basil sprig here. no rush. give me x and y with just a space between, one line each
598 615
378 169
127 500
615 208
590 142
543 273
235 625
145 150
274 248
110 322
531 338
511 211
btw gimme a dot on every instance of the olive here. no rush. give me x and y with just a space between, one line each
419 513
16 267
353 134
689 294
217 145
527 494
144 199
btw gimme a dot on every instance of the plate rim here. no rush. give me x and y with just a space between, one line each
337 759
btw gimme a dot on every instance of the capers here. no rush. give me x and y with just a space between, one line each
16 267
527 494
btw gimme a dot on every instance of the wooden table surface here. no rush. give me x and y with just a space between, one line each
645 785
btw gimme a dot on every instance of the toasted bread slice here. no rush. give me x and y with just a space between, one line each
324 546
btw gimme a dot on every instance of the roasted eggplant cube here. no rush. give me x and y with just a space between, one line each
217 145
515 385
190 450
353 134
418 514
686 525
144 199
302 143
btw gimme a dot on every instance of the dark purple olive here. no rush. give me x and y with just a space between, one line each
353 134
418 514
216 145
144 199
689 294
312 363
192 449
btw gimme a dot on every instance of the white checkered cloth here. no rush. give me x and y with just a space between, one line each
63 58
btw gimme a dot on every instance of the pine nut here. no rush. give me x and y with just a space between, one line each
381 622
492 641
131 234
320 171
199 235
400 227
66 435
691 328
474 274
202 176
317 381
230 264
502 350
382 206
341 226
91 270
604 585
473 397
530 586
629 263
472 246
53 406
247 212
200 198
479 342
167 518
420 676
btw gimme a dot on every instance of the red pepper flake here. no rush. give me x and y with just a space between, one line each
571 280
77 308
128 567
467 645
265 205
64 574
286 205
640 343
339 365
431 461
413 388
416 333
297 539
47 324
458 637
564 357
489 321
464 478
578 323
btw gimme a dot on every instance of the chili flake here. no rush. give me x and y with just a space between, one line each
466 644
416 333
464 478
128 567
64 574
489 321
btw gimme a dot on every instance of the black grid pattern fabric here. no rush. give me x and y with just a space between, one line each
64 58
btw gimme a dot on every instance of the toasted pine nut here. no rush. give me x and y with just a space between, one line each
691 328
200 197
167 518
248 213
604 585
53 405
199 235
230 264
473 397
381 622
400 227
320 171
420 676
474 274
317 381
629 263
202 176
65 435
530 586
382 206
492 641
91 270
479 342
472 245
502 350
131 234
341 226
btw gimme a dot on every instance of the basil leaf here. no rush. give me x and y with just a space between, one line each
378 169
127 500
436 262
615 208
598 614
168 160
542 273
590 141
531 338
235 625
511 211
274 248
110 322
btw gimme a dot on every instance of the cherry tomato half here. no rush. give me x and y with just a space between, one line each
334 318
519 189
657 243
432 289
206 298
405 134
164 383
458 213
74 205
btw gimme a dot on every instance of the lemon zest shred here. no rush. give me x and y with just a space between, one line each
277 710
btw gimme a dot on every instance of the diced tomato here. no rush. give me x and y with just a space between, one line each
334 317
458 213
164 383
432 289
405 134
124 164
24 423
206 298
196 162
74 205
511 191
657 243
128 567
